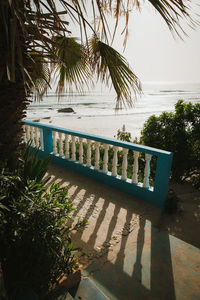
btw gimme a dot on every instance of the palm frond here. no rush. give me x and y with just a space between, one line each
73 65
172 11
33 26
110 64
40 74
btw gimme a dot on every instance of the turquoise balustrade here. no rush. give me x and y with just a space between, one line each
60 144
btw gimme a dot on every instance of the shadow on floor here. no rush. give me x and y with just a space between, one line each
122 247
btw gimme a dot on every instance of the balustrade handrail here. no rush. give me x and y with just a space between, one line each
114 142
50 141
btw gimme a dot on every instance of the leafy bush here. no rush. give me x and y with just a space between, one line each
34 167
178 132
36 248
124 135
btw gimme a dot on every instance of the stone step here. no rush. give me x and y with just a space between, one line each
87 290
61 295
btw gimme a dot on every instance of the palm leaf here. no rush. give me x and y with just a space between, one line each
73 64
40 74
172 11
110 64
31 26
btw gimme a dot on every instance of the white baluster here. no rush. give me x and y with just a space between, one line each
24 130
97 155
39 137
105 158
147 170
80 150
88 162
36 137
60 144
28 133
54 143
124 164
31 136
73 148
24 133
115 161
135 167
66 146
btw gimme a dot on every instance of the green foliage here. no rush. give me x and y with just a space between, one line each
110 64
34 168
178 132
123 135
194 178
75 64
36 248
2 210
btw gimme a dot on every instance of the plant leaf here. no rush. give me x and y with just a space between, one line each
110 64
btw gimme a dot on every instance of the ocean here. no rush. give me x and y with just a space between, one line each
156 98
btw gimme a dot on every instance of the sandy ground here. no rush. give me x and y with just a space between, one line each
106 126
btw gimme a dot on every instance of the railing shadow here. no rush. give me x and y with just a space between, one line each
140 266
119 283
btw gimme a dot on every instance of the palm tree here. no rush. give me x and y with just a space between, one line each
36 44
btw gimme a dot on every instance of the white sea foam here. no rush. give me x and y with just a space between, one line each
155 99
95 111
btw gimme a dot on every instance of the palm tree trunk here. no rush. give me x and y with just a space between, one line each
12 111
3 295
13 98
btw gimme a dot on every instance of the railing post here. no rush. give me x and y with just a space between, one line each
46 140
163 169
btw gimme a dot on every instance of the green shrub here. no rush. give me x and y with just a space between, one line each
178 132
124 135
34 167
36 248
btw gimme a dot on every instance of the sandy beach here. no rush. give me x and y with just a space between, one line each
106 126
94 112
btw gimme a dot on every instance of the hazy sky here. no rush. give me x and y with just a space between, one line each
155 55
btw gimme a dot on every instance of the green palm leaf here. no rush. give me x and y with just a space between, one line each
31 26
39 73
73 64
110 64
172 11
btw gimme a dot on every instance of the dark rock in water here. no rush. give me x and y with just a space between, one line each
47 118
38 120
67 110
